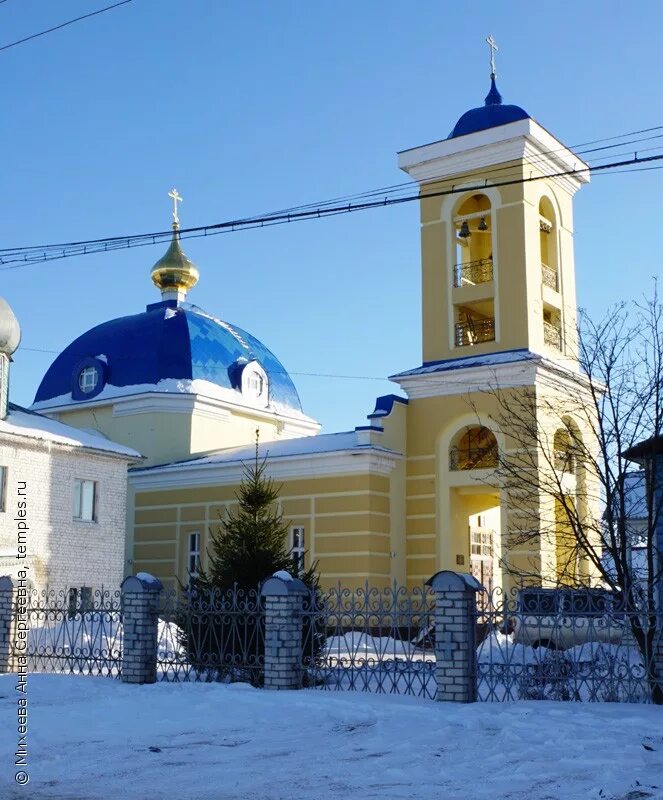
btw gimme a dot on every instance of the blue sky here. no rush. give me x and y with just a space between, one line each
250 107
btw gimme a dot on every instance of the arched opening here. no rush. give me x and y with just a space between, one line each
548 244
473 448
474 315
474 249
474 529
552 318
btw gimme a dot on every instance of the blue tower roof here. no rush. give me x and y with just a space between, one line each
492 114
169 340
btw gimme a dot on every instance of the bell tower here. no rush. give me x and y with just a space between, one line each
498 315
497 236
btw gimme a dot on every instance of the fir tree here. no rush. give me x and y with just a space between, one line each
250 545
252 542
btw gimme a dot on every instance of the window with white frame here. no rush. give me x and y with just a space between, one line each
85 500
193 558
255 384
297 546
88 379
3 488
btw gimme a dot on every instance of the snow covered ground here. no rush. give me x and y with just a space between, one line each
96 738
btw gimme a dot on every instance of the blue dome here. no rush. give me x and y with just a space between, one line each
490 115
170 340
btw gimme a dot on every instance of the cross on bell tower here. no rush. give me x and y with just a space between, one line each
493 49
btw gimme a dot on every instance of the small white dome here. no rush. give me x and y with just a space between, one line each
10 330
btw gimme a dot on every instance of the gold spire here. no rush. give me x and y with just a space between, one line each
173 273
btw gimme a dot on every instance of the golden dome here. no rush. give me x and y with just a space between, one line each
174 272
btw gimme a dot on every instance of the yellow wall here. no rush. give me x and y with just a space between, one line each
347 522
163 437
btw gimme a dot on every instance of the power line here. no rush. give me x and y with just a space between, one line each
381 192
19 257
63 24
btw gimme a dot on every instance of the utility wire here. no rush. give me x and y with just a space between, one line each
13 259
381 192
63 24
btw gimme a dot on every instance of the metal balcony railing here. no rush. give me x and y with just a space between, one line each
549 277
474 331
472 272
552 335
473 457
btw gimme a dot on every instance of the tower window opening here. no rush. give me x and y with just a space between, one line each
474 324
552 329
548 245
475 448
474 256
564 456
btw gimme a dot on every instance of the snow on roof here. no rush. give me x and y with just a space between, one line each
489 359
21 422
173 386
303 445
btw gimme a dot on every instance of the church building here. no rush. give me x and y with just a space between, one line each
412 490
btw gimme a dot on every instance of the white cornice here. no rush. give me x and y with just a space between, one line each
314 465
191 403
489 377
522 140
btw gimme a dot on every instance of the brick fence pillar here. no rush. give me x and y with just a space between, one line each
284 596
140 624
7 622
455 636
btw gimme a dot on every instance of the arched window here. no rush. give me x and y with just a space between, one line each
566 446
548 244
473 448
474 249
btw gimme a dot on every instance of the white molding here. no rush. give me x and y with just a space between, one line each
520 140
488 377
151 402
313 465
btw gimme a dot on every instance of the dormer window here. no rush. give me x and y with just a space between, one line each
255 384
88 379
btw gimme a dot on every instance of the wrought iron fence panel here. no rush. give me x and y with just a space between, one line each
71 632
565 644
370 640
212 636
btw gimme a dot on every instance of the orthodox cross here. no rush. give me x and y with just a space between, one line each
493 49
176 199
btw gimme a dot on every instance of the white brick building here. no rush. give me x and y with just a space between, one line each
63 496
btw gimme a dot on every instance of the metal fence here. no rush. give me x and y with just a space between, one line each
73 632
216 636
370 640
558 644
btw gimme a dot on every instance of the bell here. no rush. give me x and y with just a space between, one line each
464 231
483 225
